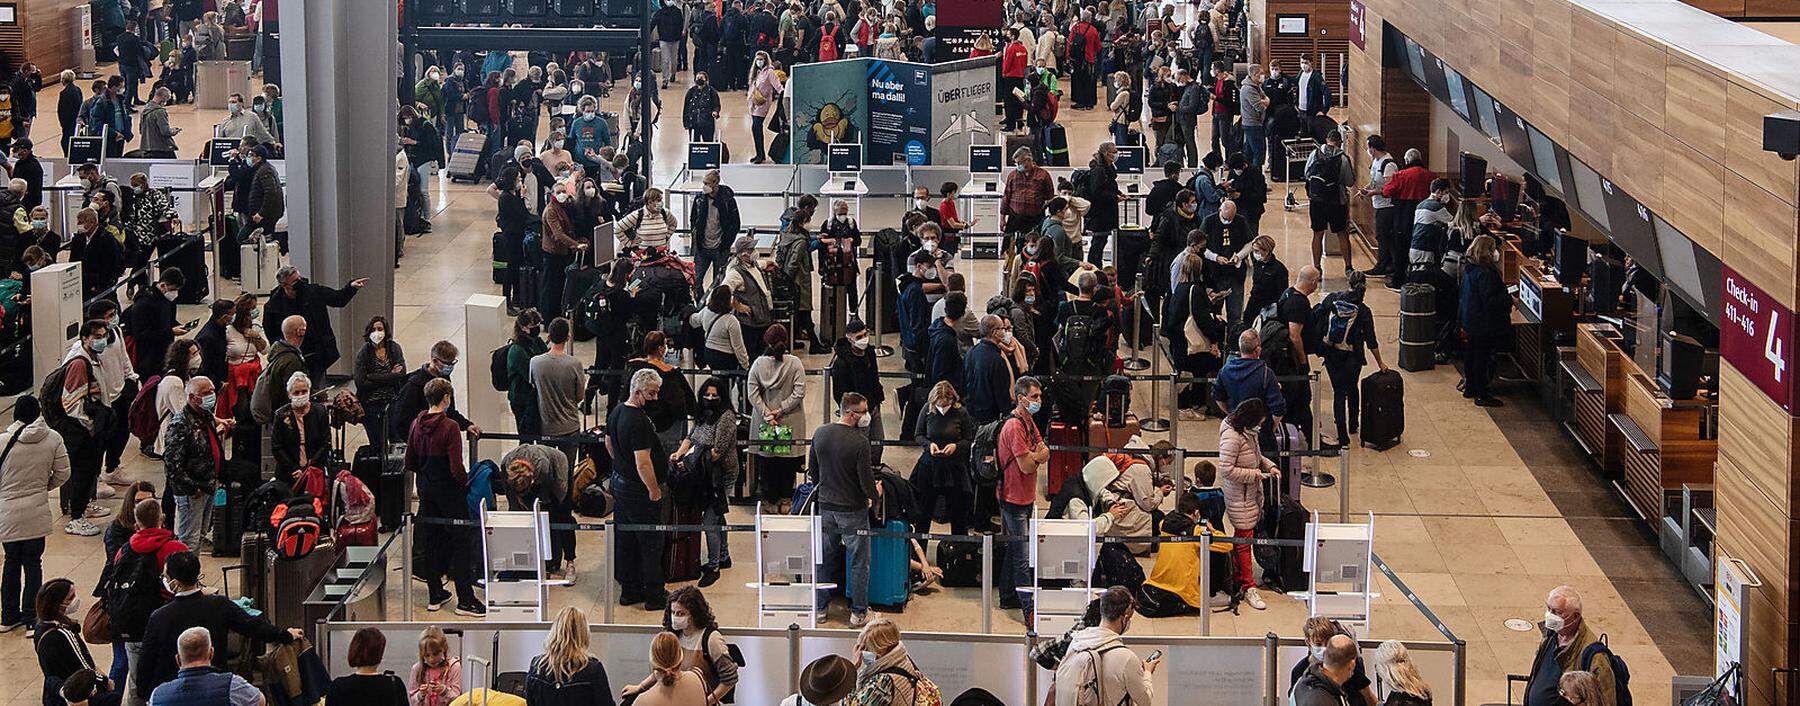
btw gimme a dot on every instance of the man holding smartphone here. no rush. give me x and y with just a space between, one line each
1123 677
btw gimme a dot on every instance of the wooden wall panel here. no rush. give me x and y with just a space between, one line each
1593 64
1550 31
1759 237
1722 8
1641 70
1744 111
1693 187
1635 145
1755 436
1549 107
1772 8
49 33
1695 105
1754 457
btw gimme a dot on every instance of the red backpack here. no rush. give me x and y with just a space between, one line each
141 416
311 481
828 46
354 507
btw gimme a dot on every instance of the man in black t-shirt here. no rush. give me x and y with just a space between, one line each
1295 308
639 466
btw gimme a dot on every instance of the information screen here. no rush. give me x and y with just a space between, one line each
1131 159
704 156
1630 224
1543 151
985 159
843 157
86 148
218 151
1589 197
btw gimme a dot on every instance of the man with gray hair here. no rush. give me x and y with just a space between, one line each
640 465
1084 58
284 359
299 296
157 137
1245 376
988 373
198 683
192 458
1568 645
1102 192
838 460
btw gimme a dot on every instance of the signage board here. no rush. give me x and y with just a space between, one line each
1731 592
1358 13
1756 336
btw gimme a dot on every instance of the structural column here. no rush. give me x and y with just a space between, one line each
337 58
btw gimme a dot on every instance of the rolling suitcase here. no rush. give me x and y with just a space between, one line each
1102 435
1064 464
888 568
1383 409
1418 326
188 254
526 288
681 550
1058 147
465 157
229 502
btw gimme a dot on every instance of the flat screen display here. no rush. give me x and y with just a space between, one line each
1588 195
86 148
1131 159
985 159
1681 266
844 157
1484 109
1543 151
1514 140
1630 225
218 151
1415 61
1459 97
1434 79
703 156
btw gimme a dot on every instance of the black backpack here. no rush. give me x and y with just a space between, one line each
1077 47
1621 673
1079 342
497 367
1324 178
1080 179
132 592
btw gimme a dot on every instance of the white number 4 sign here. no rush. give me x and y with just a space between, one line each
1772 345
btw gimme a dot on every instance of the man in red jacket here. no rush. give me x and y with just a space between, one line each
1084 58
1013 62
1406 189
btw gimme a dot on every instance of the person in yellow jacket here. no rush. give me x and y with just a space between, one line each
1173 587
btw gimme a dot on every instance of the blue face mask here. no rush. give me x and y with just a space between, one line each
1033 407
209 402
868 658
445 369
98 346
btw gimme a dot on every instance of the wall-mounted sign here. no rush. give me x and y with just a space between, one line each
1731 594
1756 336
1290 25
1357 13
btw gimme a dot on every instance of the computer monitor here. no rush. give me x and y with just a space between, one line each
843 157
704 156
86 148
1130 160
1680 263
218 151
986 159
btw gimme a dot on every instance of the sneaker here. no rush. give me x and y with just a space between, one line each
473 609
1254 598
1218 600
98 510
112 477
9 627
708 578
31 632
103 491
725 564
627 599
81 528
1489 402
1394 287
436 604
1192 415
858 620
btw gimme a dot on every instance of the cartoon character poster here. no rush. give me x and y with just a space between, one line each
830 104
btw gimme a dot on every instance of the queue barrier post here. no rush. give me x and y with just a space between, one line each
611 538
987 583
406 565
1271 648
1313 477
1135 362
1206 585
1151 422
1344 475
882 350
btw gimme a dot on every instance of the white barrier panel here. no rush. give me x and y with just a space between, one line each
1436 663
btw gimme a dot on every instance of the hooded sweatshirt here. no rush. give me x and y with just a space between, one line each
1121 672
434 453
1243 378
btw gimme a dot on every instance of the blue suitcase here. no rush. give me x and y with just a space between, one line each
888 569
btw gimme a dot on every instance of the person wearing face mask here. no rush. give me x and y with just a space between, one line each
1353 682
1313 96
839 240
240 121
1227 247
988 372
700 109
299 296
410 401
1170 231
838 461
76 419
590 131
59 646
193 450
35 462
302 435
885 674
1569 644
714 217
554 158
945 431
158 140
794 262
424 148
379 371
648 228
429 92
191 607
764 93
521 393
1019 453
854 368
714 432
750 286
150 322
456 103
912 309
1027 188
434 456
1245 470
560 244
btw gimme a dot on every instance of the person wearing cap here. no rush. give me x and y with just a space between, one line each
1028 188
27 168
33 462
754 306
825 681
298 296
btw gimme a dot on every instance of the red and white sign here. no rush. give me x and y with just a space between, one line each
1756 336
1357 14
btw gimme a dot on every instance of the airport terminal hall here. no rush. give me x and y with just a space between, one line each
899 353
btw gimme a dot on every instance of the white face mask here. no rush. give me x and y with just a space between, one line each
678 623
929 246
171 294
862 422
1553 622
860 343
562 197
376 337
74 606
1006 337
591 192
1318 653
299 399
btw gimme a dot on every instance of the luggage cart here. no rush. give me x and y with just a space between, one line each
1298 150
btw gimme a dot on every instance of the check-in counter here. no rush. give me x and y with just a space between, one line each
1664 443
1545 316
1597 374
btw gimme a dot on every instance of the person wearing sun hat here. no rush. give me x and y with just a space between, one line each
825 681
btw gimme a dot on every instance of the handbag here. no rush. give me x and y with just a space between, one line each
96 625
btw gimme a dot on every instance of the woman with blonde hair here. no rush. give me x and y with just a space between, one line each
1394 668
669 684
1485 310
885 674
565 674
1579 688
945 432
1121 107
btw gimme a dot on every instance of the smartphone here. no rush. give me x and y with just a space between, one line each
1154 656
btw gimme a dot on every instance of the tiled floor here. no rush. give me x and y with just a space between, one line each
1480 512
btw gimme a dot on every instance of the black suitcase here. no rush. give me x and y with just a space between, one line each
1059 146
1383 409
188 254
681 550
1014 142
390 487
229 503
1418 326
961 563
1283 518
526 288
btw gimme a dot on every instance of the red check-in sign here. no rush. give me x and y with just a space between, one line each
1756 336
